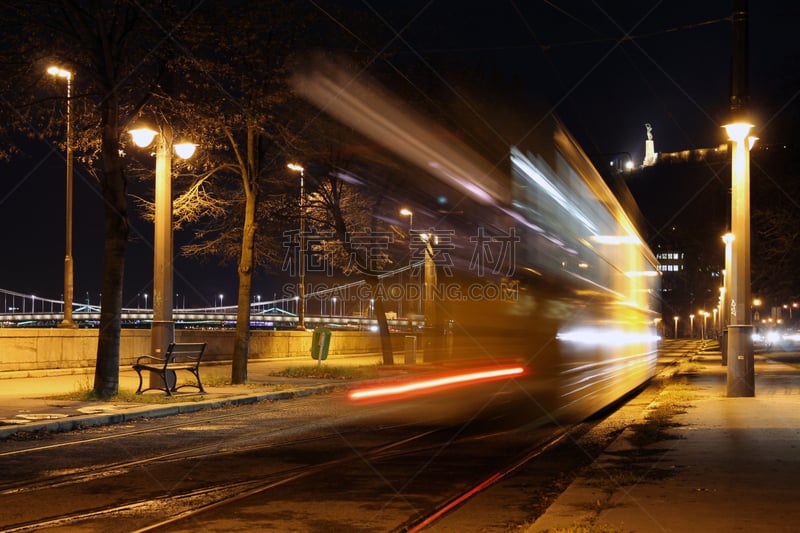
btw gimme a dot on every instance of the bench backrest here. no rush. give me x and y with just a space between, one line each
185 352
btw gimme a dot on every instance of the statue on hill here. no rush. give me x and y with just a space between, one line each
649 148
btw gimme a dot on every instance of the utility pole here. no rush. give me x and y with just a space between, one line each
741 372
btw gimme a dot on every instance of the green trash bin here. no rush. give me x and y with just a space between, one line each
320 342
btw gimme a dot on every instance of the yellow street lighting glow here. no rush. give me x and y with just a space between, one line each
406 212
616 239
185 150
60 72
143 136
641 274
727 238
738 131
295 167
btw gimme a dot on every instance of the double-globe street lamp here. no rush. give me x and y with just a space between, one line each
162 329
67 322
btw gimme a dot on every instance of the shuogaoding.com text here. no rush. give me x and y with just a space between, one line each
398 292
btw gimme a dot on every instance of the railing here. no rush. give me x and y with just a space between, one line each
29 310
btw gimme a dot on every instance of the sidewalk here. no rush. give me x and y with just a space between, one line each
719 464
29 400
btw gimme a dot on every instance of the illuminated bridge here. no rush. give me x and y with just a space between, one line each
26 310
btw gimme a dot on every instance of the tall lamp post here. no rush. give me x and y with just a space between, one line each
741 373
301 302
410 214
162 329
67 322
741 369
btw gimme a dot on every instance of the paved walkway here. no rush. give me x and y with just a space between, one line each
36 401
721 465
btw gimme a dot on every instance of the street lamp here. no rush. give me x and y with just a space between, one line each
676 325
691 326
410 214
741 372
162 329
705 319
714 323
67 322
301 309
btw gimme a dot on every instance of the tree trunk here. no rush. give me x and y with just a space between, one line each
106 377
241 346
383 328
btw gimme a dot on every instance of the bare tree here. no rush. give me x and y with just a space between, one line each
232 86
114 49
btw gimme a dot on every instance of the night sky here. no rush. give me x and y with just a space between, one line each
605 69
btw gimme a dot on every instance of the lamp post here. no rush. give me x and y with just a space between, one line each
691 325
162 329
67 322
676 325
301 307
410 214
714 324
705 323
741 367
741 373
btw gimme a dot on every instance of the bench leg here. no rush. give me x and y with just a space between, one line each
139 371
167 378
199 384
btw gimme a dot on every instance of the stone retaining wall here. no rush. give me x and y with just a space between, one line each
46 349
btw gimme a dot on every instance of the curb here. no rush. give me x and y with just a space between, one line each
73 423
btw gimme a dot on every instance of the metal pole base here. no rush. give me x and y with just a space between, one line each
741 360
162 333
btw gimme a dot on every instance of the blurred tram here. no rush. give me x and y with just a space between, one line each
538 263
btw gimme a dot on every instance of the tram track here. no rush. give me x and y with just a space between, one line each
239 445
196 502
417 473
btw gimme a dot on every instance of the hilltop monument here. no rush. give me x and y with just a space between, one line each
649 148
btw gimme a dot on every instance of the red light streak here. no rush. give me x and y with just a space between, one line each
435 383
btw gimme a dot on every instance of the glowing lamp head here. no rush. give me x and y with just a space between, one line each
406 212
738 131
727 238
60 72
143 137
295 167
185 150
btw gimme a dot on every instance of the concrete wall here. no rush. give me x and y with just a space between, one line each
40 349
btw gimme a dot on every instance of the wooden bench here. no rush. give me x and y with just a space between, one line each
179 356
